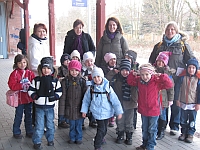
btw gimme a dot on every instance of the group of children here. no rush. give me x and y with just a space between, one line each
84 89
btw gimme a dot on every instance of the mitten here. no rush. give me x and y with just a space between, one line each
25 87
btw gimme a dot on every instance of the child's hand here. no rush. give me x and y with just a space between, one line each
170 103
178 103
83 115
119 116
197 107
134 73
157 74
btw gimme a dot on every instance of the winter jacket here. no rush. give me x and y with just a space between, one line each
187 89
15 85
177 57
62 71
41 94
71 100
87 43
116 83
148 100
117 46
37 49
166 95
100 105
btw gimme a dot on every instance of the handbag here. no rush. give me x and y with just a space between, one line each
12 96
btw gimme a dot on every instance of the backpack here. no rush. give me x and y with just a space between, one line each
92 91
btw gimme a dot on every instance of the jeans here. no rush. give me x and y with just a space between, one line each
43 118
61 119
75 132
175 117
163 115
101 132
26 109
188 121
149 131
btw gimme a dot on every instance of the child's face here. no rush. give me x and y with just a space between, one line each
46 71
145 75
126 57
74 72
66 62
160 63
191 69
75 58
112 62
98 80
124 72
89 63
22 64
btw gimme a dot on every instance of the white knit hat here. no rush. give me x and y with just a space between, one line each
88 55
76 53
97 72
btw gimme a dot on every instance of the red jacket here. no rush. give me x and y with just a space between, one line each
15 85
148 93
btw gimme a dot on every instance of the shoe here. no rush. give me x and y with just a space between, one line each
120 137
93 124
37 146
103 142
17 136
111 124
181 137
189 139
172 132
71 142
141 147
29 135
50 143
79 142
63 125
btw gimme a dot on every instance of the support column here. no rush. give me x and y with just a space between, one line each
26 22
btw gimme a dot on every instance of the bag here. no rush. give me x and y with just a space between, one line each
12 98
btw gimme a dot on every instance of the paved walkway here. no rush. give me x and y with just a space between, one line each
7 142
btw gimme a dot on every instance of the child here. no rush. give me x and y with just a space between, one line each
166 96
149 84
75 55
88 65
128 98
102 102
131 56
110 60
19 80
62 72
44 90
187 96
74 87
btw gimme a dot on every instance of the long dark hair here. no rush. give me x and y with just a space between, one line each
119 27
18 58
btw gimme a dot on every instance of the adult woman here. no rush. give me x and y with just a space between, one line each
111 41
76 39
37 46
173 41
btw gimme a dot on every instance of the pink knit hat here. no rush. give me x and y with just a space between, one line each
75 64
163 56
109 56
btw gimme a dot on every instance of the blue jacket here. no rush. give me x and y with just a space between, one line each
100 106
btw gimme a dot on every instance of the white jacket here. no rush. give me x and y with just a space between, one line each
36 51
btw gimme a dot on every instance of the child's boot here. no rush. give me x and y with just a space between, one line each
161 129
189 139
182 137
120 137
128 140
111 122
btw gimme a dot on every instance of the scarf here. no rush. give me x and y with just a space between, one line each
173 40
111 35
125 90
38 38
78 44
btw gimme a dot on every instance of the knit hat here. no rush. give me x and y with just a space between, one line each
147 67
47 62
65 57
194 62
109 56
88 55
97 72
125 64
75 64
132 54
163 56
76 53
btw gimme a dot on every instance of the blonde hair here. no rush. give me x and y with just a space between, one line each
147 67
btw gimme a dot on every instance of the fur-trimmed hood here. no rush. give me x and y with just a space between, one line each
54 74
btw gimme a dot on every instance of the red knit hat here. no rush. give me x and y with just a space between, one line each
75 64
163 56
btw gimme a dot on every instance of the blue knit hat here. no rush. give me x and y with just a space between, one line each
194 62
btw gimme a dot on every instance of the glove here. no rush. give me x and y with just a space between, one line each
25 87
